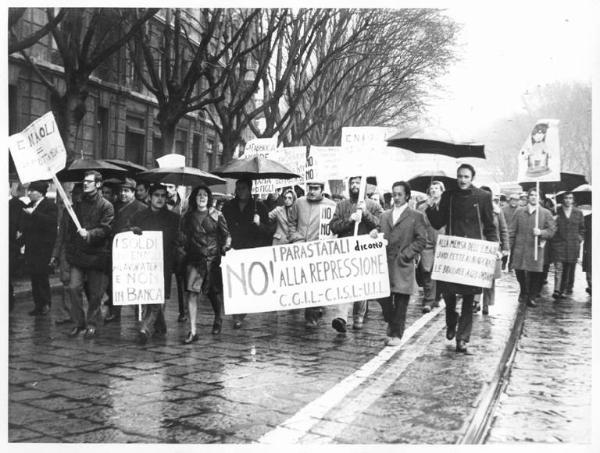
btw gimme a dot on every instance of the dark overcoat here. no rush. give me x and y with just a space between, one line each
568 237
406 239
465 213
39 234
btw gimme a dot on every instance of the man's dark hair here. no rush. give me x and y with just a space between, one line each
406 188
568 193
97 176
468 167
143 183
246 181
154 187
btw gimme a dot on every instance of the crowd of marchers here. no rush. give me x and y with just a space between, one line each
198 231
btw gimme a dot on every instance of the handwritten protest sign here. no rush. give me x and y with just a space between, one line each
307 274
38 151
138 268
326 216
465 261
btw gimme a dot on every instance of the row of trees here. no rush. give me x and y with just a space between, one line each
304 73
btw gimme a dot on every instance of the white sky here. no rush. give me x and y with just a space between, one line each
509 47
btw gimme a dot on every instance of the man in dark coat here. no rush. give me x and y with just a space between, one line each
15 211
38 225
347 213
248 223
157 218
406 232
466 212
522 233
566 243
127 208
88 253
509 212
586 263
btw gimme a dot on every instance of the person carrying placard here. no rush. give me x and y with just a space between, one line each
466 212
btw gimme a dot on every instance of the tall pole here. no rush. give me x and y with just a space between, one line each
537 220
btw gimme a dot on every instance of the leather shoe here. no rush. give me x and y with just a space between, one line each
531 303
237 324
426 309
112 317
310 324
394 341
182 317
339 324
461 346
142 337
569 291
557 295
216 329
90 333
450 332
191 338
357 325
75 331
476 307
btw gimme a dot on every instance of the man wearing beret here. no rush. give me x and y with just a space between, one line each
38 224
128 207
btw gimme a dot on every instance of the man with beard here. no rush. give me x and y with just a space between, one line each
305 226
347 213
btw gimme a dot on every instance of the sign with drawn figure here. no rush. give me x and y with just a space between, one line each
137 266
38 151
304 274
466 261
539 157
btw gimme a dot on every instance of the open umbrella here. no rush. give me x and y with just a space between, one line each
77 169
256 167
181 176
422 181
432 143
131 167
568 181
583 195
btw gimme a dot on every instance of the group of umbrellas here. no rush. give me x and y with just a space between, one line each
254 168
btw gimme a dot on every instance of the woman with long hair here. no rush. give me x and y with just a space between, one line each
280 215
205 238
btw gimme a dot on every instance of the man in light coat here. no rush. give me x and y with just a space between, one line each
406 232
305 226
522 233
566 244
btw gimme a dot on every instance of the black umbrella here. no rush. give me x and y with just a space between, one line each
256 167
422 181
419 143
77 169
131 167
181 176
568 181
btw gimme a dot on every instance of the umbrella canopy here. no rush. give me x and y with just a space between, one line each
583 195
422 181
76 171
428 144
131 167
181 176
568 181
256 167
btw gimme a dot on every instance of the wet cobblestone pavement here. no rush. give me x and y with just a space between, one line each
548 398
110 389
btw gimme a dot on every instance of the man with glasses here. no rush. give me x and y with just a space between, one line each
88 253
566 244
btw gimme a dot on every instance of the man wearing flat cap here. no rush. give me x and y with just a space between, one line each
128 207
509 212
38 225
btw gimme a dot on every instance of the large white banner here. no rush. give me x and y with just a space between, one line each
466 261
307 274
137 267
38 151
539 158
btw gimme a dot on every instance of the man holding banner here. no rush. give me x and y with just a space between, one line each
305 226
523 232
88 253
347 213
466 212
